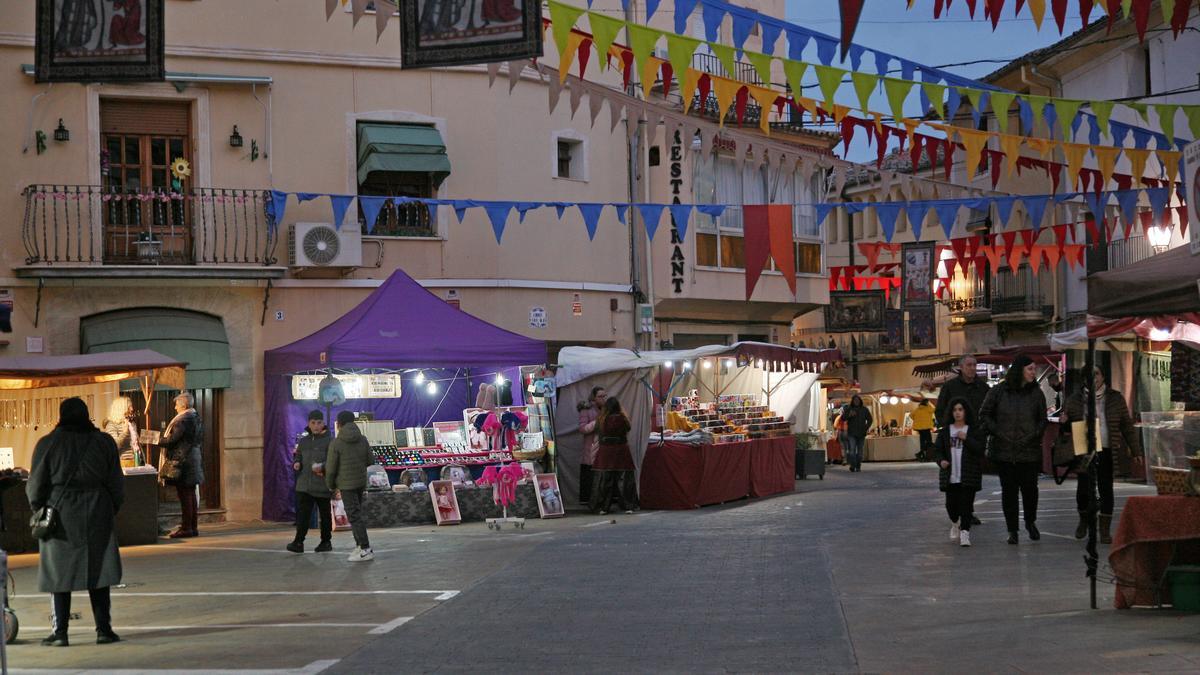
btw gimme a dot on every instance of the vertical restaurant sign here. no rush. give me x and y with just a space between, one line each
677 259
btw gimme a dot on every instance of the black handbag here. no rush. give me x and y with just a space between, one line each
168 469
45 522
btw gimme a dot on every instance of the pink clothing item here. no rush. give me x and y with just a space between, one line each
503 481
591 439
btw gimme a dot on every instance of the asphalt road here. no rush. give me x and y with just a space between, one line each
851 574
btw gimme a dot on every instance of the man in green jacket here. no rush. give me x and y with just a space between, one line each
311 491
346 473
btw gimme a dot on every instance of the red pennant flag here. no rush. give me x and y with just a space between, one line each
1009 239
1059 9
860 284
1075 255
739 103
971 7
1180 18
1093 231
914 150
835 274
850 10
948 159
1141 16
1085 11
937 8
783 247
1014 257
705 86
871 251
1114 9
667 73
627 60
931 150
995 160
1020 4
1183 219
847 131
959 246
997 6
1027 237
993 254
757 242
1054 170
1060 236
1053 255
585 53
846 279
1035 258
950 267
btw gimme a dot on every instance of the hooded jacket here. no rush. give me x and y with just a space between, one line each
349 457
1015 420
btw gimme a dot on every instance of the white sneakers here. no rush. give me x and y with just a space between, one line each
361 555
964 538
954 531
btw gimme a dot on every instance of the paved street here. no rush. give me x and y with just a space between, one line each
851 574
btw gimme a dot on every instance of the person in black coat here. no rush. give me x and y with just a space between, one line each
77 471
1014 414
858 424
181 442
959 451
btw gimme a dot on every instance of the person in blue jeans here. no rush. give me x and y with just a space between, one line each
858 423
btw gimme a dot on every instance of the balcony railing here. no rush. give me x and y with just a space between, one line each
1021 293
88 224
743 72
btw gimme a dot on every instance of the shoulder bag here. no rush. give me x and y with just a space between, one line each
44 522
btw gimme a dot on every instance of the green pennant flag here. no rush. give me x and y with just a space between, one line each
1066 109
724 54
1168 9
1126 7
830 79
1038 105
1166 120
936 93
972 95
762 65
562 20
679 52
1192 112
604 33
897 91
864 84
1103 110
1001 104
794 72
641 41
1140 108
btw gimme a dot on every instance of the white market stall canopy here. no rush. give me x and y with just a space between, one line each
576 364
36 372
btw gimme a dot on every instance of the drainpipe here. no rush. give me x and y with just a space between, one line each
634 187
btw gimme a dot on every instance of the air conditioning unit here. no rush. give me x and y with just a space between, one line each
322 245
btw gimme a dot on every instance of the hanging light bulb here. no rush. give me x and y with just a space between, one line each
760 363
707 364
420 378
728 363
905 400
431 388
687 365
667 364
499 378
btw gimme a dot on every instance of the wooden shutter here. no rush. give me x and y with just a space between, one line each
140 116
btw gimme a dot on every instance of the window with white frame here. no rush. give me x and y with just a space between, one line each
569 155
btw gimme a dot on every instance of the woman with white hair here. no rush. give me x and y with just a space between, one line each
122 426
182 465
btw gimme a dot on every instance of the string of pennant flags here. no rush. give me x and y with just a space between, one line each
945 210
945 100
733 94
1174 12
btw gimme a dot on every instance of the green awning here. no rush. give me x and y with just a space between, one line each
195 338
402 147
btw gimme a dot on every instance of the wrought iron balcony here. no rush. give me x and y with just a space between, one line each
1021 296
743 72
89 225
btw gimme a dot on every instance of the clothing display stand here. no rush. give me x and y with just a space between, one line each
504 487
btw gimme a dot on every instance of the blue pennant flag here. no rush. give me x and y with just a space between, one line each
526 207
302 197
1050 116
559 207
651 214
1119 133
926 104
712 14
651 8
856 54
953 101
887 214
339 204
916 216
621 211
683 11
498 213
1004 208
276 208
826 48
1025 114
1141 138
680 214
977 113
1036 208
855 207
1093 131
591 217
371 207
1096 202
882 63
947 213
796 43
1127 200
1075 124
770 34
461 206
743 23
715 210
1160 141
823 210
1158 198
908 70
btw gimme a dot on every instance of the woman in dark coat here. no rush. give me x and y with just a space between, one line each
181 442
77 470
613 470
959 451
1014 414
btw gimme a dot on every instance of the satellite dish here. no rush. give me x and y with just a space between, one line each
330 391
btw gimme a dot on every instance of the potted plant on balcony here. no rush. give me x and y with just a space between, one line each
149 249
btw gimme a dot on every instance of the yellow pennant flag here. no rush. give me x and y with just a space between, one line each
725 90
650 72
1011 146
687 90
808 104
1042 146
568 55
1137 164
839 112
973 140
1074 153
1170 161
1106 159
878 122
1038 9
910 126
766 100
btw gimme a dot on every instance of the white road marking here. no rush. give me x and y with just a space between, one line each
1060 536
600 522
441 595
310 669
446 595
390 626
229 626
536 534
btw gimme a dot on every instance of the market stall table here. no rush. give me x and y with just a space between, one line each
892 448
396 509
1154 532
682 476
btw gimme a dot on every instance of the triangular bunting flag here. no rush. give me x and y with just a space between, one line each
1066 110
973 141
651 215
497 213
897 92
562 20
1036 208
947 214
915 212
680 215
591 217
757 243
641 41
762 66
1001 103
1106 159
604 32
1166 120
864 86
850 10
782 242
339 205
887 214
1004 207
936 93
829 79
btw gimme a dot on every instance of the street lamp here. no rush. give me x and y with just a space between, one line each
1159 236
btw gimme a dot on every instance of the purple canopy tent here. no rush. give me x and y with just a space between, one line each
399 326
